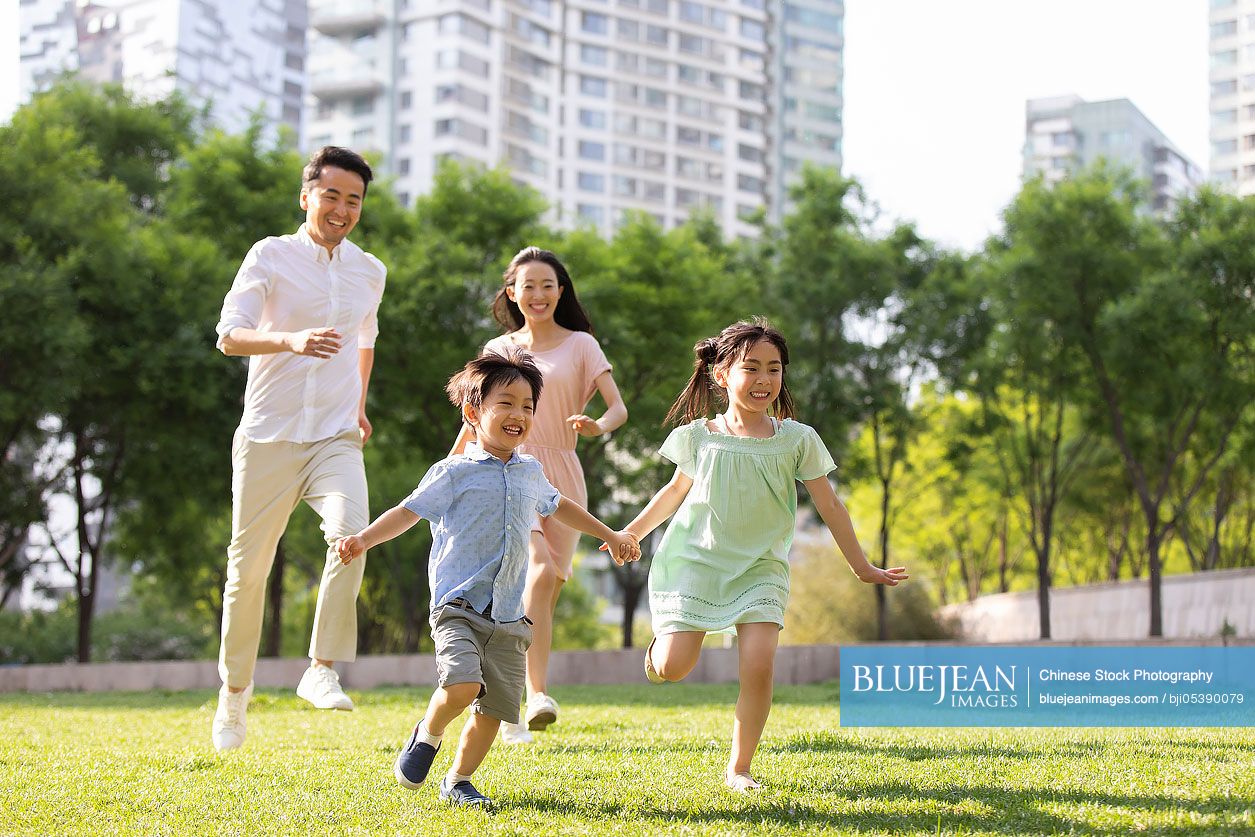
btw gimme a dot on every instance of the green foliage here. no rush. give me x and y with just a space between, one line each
576 623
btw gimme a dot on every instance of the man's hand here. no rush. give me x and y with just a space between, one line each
314 342
364 427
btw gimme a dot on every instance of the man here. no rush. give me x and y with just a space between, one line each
304 308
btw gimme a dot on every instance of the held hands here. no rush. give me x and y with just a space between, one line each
314 342
875 575
623 548
585 425
354 546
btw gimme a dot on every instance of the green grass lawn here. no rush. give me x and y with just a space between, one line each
623 759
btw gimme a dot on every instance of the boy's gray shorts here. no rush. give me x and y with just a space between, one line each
471 648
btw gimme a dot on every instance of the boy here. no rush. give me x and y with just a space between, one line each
480 505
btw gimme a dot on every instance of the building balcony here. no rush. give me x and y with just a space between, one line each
341 83
347 16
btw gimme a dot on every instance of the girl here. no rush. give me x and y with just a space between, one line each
723 561
537 307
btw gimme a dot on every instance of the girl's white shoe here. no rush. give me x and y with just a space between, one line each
740 782
651 673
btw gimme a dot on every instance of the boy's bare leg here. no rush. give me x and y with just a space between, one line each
447 703
477 738
675 655
757 645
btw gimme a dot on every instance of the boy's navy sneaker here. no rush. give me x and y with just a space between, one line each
414 762
462 793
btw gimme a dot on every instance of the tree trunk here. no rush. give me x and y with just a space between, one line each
1043 581
274 636
882 601
1004 557
1153 540
86 606
631 598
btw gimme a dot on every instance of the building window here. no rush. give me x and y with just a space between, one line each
754 185
1226 58
362 105
405 100
592 118
589 212
589 182
593 86
596 55
753 30
1224 88
589 150
1224 27
594 23
403 166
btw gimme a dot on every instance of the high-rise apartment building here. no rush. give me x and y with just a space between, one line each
1232 76
660 106
1065 134
239 56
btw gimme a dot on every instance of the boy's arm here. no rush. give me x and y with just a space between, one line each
387 526
834 514
661 506
623 546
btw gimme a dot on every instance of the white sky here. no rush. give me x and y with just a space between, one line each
935 91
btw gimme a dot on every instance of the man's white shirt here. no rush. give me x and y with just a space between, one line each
290 283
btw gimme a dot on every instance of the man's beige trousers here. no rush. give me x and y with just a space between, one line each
268 480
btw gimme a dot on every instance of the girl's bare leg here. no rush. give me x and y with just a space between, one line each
757 643
675 655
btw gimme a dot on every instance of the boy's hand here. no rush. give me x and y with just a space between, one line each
623 548
349 548
891 577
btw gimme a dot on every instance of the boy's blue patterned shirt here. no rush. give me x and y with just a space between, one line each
481 511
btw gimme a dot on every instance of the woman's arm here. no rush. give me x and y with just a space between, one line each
834 514
465 435
612 419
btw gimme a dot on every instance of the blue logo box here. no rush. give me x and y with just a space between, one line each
1063 686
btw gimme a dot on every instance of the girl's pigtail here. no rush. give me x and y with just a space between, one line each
695 401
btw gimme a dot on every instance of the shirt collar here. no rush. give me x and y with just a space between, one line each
477 453
304 238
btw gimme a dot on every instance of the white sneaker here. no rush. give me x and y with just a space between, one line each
515 734
542 711
320 685
228 727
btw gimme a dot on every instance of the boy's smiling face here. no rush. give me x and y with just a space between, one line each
504 418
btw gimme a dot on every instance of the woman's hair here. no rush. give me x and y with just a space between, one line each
568 314
472 383
720 352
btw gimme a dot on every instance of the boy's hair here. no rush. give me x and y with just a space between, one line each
721 352
568 313
472 383
341 158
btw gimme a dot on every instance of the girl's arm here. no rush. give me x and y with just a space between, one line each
387 526
661 506
465 435
614 416
834 514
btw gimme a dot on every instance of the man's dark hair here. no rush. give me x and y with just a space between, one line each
341 158
493 369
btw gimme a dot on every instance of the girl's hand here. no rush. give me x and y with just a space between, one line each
875 575
585 425
623 548
349 548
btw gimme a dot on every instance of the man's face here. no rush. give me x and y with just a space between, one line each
332 205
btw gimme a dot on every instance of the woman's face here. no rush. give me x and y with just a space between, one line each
535 291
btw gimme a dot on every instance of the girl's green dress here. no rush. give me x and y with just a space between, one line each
724 559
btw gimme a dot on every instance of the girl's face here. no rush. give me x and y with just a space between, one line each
753 382
535 291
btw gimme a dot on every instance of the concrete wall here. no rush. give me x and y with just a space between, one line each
794 664
1195 606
